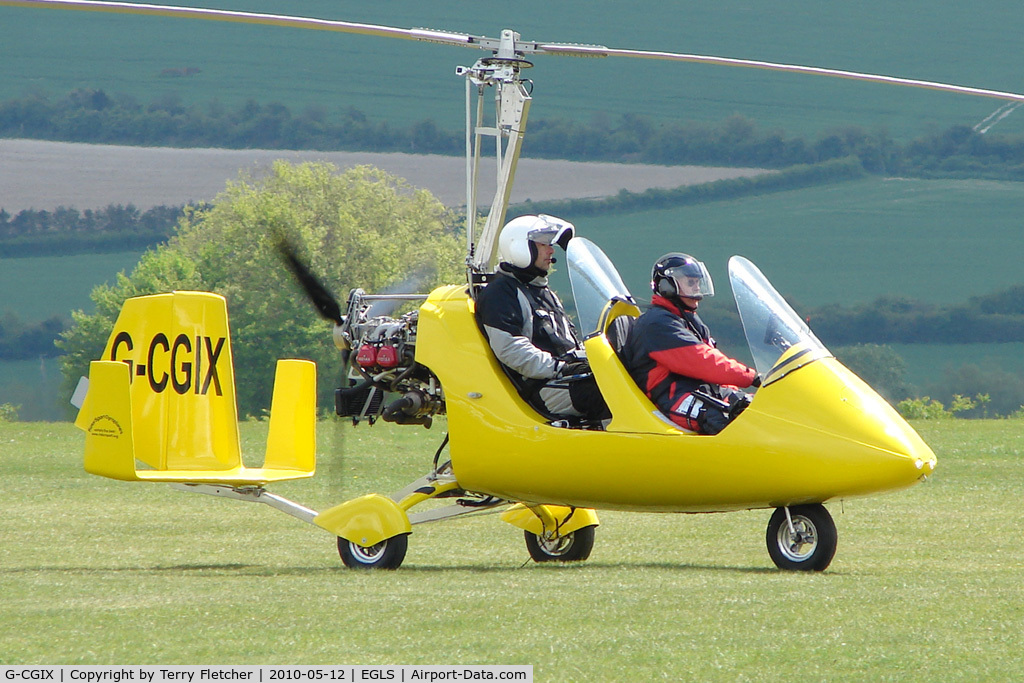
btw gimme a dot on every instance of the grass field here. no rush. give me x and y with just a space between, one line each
402 82
925 585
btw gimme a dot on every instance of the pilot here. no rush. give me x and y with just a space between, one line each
672 356
527 328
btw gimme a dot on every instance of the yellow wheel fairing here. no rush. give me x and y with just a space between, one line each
817 433
541 519
365 521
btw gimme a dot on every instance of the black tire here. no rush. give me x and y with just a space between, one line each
813 546
572 547
388 554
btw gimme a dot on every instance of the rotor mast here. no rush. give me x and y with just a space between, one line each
511 110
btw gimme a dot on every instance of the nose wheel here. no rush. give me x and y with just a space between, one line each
802 538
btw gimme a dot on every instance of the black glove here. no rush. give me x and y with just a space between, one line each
737 404
757 381
574 367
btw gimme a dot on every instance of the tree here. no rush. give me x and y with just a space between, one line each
361 228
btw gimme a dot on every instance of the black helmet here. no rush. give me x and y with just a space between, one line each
681 275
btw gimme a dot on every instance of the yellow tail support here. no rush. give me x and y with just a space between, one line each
161 404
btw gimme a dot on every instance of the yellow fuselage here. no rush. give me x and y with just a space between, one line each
816 434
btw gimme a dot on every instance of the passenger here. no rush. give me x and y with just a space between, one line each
527 328
672 356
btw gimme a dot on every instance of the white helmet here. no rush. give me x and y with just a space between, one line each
515 238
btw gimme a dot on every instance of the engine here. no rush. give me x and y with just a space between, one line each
383 378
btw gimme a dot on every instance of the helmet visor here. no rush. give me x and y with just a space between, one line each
692 280
552 233
544 235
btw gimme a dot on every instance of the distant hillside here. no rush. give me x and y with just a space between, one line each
93 116
934 242
324 76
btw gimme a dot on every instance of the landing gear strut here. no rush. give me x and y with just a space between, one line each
574 546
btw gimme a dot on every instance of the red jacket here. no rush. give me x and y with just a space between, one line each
671 353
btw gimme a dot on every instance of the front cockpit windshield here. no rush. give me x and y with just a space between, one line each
779 340
594 282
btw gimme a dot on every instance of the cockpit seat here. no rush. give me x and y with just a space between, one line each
618 333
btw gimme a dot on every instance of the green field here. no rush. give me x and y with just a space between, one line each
39 287
940 241
926 363
937 241
971 44
35 387
925 584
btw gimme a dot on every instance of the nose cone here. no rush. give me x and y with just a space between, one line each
874 422
857 440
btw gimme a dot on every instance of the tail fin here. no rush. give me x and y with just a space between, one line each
164 396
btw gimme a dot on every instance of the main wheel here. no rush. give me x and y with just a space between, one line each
811 543
572 547
388 554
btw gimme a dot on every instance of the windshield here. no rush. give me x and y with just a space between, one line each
772 328
594 282
779 340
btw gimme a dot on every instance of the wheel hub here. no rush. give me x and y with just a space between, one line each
800 543
558 545
368 554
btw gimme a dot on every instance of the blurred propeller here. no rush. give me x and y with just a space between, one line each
322 299
331 442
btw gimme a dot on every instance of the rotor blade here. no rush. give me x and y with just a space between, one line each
322 299
429 35
599 51
518 46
